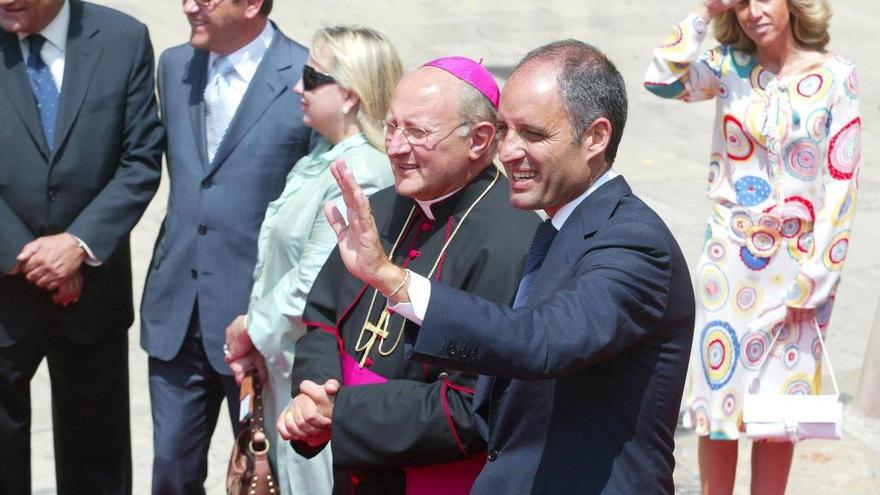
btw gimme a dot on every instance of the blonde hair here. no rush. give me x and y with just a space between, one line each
809 25
362 60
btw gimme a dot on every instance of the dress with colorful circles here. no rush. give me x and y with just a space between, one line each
783 176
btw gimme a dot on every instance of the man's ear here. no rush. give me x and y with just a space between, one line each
482 136
597 138
253 8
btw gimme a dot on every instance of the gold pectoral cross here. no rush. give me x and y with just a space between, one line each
379 330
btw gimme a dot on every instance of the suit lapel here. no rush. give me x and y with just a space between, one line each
14 82
81 57
572 240
195 76
267 85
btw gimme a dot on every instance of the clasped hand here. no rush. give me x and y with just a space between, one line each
309 416
52 263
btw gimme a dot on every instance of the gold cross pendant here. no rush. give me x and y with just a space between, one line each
379 330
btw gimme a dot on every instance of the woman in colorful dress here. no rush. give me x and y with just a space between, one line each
783 176
345 90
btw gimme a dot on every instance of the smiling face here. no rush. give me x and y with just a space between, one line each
28 16
764 21
224 26
428 98
545 166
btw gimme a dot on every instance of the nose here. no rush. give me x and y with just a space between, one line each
299 89
396 143
754 9
190 7
510 149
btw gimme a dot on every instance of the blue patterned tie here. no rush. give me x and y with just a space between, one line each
43 86
537 252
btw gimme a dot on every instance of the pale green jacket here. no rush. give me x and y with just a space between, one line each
295 241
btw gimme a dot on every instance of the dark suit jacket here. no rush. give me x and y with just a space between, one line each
589 374
95 184
207 246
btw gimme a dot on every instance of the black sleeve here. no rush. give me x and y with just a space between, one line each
405 423
317 352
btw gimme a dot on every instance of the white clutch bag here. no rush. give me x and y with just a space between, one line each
793 417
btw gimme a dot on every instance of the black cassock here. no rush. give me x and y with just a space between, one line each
422 415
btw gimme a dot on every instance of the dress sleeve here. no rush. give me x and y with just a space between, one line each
679 71
275 320
820 271
406 423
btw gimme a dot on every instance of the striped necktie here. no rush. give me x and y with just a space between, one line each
218 107
43 87
537 252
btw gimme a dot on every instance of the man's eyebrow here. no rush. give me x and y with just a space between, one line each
535 129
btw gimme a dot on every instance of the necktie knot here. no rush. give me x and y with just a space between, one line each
222 67
35 46
543 239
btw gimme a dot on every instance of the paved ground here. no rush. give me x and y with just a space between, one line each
663 154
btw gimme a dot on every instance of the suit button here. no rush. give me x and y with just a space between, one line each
206 184
451 350
492 455
194 274
53 195
203 229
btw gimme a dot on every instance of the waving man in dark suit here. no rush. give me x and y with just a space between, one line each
81 148
585 372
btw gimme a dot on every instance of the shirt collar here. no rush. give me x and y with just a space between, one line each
426 205
247 59
566 210
56 31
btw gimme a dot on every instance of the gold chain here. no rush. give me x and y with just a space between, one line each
382 325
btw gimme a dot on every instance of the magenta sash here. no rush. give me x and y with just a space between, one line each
451 478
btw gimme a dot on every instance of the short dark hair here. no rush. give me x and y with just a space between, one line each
590 86
266 9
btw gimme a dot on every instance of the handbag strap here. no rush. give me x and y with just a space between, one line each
777 316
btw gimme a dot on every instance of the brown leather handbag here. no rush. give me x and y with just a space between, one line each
250 472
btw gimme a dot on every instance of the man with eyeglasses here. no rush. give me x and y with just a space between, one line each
397 426
80 160
234 131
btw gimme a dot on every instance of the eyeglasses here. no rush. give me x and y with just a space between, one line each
312 78
206 4
415 136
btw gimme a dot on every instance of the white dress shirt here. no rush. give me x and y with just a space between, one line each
420 287
245 61
53 51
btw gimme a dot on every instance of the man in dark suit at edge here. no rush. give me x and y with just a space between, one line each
81 149
585 372
235 130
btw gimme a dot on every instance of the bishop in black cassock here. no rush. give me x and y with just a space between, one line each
420 416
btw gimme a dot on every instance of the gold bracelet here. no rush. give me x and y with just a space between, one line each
397 289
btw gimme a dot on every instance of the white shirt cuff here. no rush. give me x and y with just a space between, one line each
419 294
91 259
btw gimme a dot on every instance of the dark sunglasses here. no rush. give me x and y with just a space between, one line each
312 78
